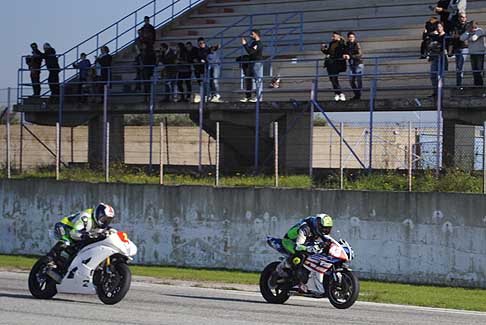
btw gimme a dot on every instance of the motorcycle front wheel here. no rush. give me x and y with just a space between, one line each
273 293
343 294
114 285
41 285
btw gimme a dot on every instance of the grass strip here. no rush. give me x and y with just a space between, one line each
394 293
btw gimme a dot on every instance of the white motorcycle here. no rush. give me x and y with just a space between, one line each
99 267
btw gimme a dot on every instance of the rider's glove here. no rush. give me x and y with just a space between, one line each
313 249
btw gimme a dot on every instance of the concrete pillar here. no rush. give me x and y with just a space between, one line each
95 140
458 145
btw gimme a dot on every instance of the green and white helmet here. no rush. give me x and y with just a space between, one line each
324 223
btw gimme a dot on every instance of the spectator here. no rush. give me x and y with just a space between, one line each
335 63
147 34
200 64
53 67
103 68
34 63
456 7
84 65
184 73
169 71
192 52
354 54
437 58
430 27
149 61
247 70
214 70
476 39
459 47
441 10
255 54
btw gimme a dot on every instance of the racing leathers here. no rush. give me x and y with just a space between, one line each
74 228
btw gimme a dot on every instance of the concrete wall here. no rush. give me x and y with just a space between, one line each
411 237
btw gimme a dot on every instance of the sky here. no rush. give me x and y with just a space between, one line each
62 23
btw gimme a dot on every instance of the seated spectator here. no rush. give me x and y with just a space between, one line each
354 54
476 39
184 73
53 67
335 63
147 34
168 60
214 70
437 56
255 54
34 62
83 65
459 47
430 27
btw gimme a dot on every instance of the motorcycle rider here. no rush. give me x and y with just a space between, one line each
309 236
79 226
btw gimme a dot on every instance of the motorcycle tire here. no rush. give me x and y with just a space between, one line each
49 289
124 279
331 286
268 295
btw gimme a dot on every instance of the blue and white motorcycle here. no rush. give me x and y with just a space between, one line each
324 275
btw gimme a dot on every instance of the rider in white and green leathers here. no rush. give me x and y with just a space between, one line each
78 226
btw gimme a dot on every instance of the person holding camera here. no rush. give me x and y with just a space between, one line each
34 63
335 63
476 39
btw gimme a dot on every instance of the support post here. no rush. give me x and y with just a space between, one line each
410 153
217 152
275 135
161 173
61 108
107 155
484 157
72 145
439 111
21 140
8 134
341 166
372 109
105 120
201 112
58 131
151 123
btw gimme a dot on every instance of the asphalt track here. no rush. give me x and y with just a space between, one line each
148 303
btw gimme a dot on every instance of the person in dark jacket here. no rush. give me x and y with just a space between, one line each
437 56
83 65
149 61
168 59
354 54
335 62
103 68
430 27
147 34
255 54
441 10
34 63
184 73
459 47
52 64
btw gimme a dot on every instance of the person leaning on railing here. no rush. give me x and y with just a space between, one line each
437 55
168 59
52 64
34 62
476 39
184 73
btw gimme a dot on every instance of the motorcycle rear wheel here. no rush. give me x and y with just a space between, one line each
277 296
343 295
41 286
113 287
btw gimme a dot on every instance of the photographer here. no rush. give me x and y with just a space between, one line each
335 63
476 39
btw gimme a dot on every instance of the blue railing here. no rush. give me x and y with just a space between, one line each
120 34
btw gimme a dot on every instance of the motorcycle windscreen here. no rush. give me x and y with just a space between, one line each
337 251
